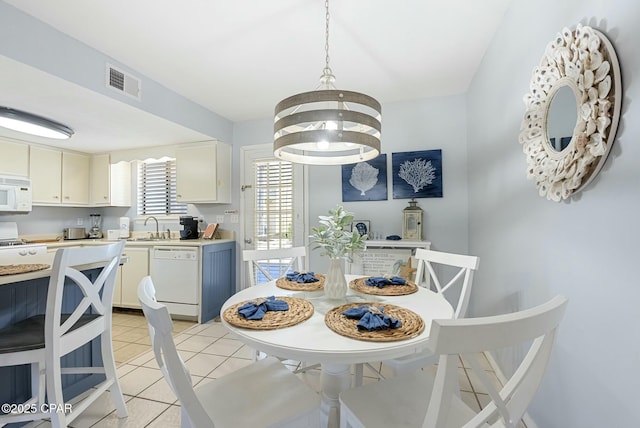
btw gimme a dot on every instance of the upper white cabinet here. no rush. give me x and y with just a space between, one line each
45 171
203 173
14 158
110 183
58 177
75 178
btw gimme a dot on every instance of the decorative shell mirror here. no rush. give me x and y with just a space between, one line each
572 112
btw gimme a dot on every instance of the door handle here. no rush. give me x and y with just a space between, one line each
248 241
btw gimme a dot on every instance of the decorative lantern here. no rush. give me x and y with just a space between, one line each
412 221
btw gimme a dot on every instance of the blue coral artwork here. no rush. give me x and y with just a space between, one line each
417 174
365 181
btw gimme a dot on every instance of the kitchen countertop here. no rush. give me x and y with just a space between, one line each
48 257
133 242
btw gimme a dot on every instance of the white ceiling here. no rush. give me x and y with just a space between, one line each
239 58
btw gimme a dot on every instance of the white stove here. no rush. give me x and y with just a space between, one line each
11 246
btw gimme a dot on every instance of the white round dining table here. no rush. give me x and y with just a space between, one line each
312 341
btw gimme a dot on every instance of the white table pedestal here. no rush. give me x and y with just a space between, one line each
334 379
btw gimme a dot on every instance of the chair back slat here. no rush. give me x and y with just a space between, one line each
469 337
66 270
167 356
464 267
287 259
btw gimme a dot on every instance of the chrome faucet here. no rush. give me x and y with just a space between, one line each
156 220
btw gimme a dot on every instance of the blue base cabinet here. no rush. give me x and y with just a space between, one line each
218 278
22 300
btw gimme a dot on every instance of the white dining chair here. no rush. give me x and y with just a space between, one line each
283 260
264 261
262 394
420 400
457 290
42 340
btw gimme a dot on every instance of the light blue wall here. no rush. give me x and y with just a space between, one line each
32 42
436 123
532 249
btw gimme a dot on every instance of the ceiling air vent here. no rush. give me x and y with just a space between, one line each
123 82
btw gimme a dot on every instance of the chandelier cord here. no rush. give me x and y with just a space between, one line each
327 73
320 128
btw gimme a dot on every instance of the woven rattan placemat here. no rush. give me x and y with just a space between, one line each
299 310
359 284
412 324
22 268
301 286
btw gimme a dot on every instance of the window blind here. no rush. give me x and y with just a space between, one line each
274 204
157 188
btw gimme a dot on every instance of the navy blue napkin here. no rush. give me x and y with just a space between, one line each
301 277
381 281
372 318
255 309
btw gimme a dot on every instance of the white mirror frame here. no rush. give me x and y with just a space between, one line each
585 60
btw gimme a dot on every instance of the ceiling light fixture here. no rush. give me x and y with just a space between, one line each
327 126
28 123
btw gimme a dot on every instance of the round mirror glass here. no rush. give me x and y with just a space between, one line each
561 118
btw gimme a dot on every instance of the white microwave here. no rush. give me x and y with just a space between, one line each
15 194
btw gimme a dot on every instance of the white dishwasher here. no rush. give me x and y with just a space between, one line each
174 271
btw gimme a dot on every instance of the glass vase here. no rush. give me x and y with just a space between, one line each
335 285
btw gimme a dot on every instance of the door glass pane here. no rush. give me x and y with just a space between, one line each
274 204
273 213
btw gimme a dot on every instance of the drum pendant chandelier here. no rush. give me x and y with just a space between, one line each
327 126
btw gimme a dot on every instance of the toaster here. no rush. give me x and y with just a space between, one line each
74 233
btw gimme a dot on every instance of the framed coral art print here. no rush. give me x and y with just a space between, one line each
417 174
365 181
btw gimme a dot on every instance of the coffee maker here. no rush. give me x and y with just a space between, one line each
189 227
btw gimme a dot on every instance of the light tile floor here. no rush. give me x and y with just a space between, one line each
209 352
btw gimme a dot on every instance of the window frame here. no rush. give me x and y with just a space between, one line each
166 197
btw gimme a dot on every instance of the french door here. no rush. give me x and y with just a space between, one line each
273 201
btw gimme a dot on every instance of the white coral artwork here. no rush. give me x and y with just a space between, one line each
364 177
417 173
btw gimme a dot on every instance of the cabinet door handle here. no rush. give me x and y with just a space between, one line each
248 241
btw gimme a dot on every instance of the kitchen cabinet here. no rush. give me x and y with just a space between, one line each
58 178
110 184
14 159
131 273
218 278
203 173
75 178
45 171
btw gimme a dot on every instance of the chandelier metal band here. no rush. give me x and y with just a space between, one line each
306 131
328 95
